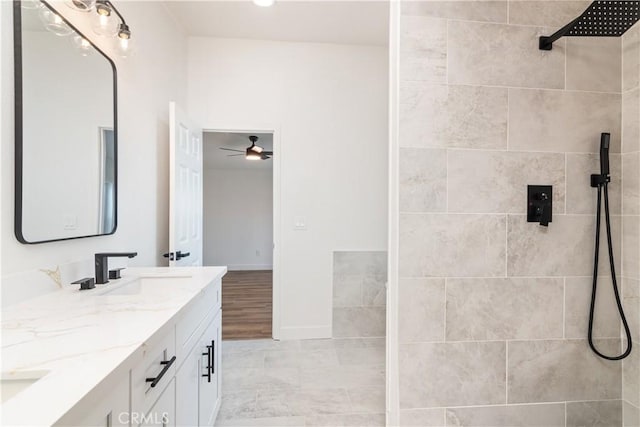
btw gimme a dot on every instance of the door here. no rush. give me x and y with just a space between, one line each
187 383
185 190
163 411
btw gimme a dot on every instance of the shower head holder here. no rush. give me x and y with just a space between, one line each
600 19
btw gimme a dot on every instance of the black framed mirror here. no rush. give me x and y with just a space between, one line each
66 133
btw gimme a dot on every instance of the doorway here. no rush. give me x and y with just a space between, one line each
238 229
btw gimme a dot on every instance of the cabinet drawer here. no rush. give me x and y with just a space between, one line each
190 327
159 363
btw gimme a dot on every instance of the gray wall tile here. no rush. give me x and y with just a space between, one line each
581 197
594 414
423 180
431 417
452 245
496 181
441 116
548 415
359 322
554 14
631 247
473 58
631 58
360 263
565 248
421 307
423 49
594 64
631 183
559 370
631 303
560 121
347 291
489 11
452 374
631 121
631 415
631 378
494 309
577 302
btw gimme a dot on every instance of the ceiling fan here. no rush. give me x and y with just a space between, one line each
254 152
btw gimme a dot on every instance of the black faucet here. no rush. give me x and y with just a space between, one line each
102 265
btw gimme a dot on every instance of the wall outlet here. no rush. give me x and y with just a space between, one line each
299 223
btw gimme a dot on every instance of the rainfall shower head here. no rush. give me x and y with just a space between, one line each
601 19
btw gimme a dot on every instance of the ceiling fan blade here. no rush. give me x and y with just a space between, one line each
234 155
231 149
267 153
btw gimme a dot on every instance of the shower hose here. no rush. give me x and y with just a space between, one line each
603 187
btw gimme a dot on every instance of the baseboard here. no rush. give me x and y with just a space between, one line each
305 333
249 267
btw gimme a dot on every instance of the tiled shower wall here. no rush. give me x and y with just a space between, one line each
492 309
631 218
359 294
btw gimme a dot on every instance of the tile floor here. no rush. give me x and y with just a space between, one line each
332 382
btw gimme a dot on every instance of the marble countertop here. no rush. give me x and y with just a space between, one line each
79 337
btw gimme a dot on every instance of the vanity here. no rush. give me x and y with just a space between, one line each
143 350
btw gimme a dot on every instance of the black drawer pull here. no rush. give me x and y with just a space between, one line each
167 364
213 356
208 354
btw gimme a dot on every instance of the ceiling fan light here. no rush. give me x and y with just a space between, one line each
251 155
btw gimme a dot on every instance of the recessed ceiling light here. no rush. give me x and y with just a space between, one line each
264 3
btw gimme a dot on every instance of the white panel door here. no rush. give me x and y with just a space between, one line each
185 190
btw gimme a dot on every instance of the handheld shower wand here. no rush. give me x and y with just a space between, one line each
601 182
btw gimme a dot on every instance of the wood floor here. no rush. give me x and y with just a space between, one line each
247 305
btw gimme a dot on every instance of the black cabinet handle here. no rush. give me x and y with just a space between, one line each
213 356
167 364
208 354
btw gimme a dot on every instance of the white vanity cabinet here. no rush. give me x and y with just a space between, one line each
172 380
198 383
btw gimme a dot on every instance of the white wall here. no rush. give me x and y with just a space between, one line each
146 84
328 104
238 218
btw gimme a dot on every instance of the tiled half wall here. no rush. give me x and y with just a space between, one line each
359 294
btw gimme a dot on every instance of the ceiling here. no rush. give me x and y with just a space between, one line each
322 21
214 158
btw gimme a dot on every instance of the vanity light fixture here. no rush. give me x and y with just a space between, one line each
264 3
82 45
82 5
54 22
109 22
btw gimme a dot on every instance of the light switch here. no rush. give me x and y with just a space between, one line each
299 223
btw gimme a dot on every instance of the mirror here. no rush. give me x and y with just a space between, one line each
66 133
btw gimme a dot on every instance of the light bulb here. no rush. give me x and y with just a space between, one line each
83 45
264 3
124 47
54 22
103 22
82 5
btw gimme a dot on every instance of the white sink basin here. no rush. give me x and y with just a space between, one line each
12 383
134 286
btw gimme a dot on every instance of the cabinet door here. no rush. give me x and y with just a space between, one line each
208 393
163 412
187 383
